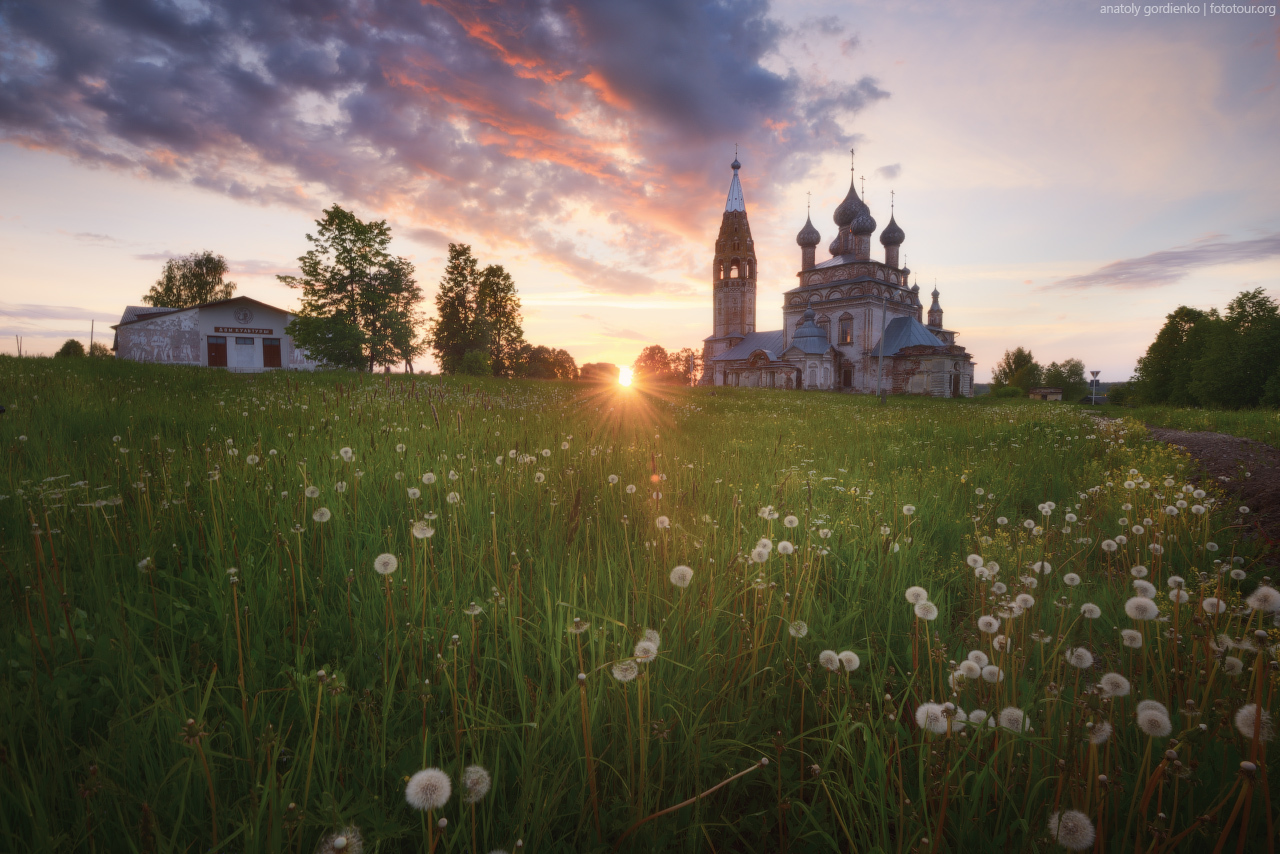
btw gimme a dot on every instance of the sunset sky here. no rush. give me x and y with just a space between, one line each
1067 177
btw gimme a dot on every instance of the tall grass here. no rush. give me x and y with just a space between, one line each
1261 425
158 701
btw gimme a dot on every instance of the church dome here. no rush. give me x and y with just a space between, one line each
810 338
808 235
893 235
865 223
836 246
850 209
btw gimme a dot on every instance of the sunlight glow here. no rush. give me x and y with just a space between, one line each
624 376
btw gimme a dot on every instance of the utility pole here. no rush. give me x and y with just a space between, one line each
884 312
91 321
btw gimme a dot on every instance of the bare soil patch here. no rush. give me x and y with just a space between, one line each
1248 470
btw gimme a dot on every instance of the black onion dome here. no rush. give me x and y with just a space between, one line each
808 235
836 248
852 206
893 235
865 223
735 164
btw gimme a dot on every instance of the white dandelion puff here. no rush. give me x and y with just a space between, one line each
428 789
988 624
625 671
916 595
798 629
993 674
1072 830
1071 579
322 514
1014 719
1247 722
1079 657
385 564
1141 608
681 576
979 658
829 659
1114 685
429 478
1266 599
926 610
475 784
1131 638
849 661
930 718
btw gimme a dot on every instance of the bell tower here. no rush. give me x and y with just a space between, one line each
733 272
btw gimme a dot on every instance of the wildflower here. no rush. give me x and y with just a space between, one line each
539 477
681 576
1071 579
625 671
1141 608
476 782
1232 665
1131 638
664 522
1176 581
759 555
1090 611
347 454
385 564
926 610
1121 539
340 486
1072 830
915 595
991 673
825 533
322 514
1025 600
1001 520
798 629
1243 510
429 478
791 521
1211 547
646 651
908 510
982 573
849 661
1109 545
930 718
999 587
429 789
452 497
1145 589
988 624
414 493
828 659
1114 685
422 531
345 841
1042 566
631 489
1100 733
1213 605
969 669
1013 718
1264 599
1138 571
974 561
1179 596
1238 575
1247 723
1028 524
1079 657
473 610
785 548
1153 719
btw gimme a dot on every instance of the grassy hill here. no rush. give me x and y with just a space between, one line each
202 649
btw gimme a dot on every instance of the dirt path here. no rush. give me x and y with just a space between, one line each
1248 470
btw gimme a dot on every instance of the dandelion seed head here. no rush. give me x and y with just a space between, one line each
926 610
422 531
428 789
1154 723
993 674
645 651
1100 733
979 658
625 671
849 661
1145 589
1072 830
988 624
785 548
1114 685
969 669
930 718
1141 608
1265 599
1247 720
1079 657
681 576
475 783
322 514
385 564
829 659
798 629
1232 666
1131 638
1213 605
975 561
1071 579
1014 719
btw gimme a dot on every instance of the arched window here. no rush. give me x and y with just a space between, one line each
734 267
846 328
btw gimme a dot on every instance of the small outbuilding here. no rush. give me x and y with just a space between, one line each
240 334
1045 394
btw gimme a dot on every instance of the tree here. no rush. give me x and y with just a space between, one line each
71 349
476 309
1068 376
600 372
686 366
98 350
1163 374
537 362
1241 353
653 365
359 303
1017 368
191 280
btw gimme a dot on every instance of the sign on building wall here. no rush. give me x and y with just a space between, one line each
240 330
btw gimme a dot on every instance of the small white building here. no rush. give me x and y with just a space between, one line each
239 334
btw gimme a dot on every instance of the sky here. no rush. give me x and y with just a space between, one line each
1066 173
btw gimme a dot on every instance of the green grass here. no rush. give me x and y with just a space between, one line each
1262 425
155 702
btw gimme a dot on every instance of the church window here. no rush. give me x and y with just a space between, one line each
733 269
846 331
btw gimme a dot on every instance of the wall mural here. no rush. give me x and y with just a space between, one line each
172 339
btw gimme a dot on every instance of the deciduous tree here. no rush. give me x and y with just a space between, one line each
191 280
1017 368
476 309
359 303
1068 376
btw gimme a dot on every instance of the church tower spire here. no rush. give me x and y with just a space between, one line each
935 311
733 270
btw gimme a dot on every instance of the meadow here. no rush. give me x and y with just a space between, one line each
1261 425
343 613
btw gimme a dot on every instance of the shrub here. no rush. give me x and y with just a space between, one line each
71 348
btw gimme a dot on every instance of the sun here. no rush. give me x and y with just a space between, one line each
624 376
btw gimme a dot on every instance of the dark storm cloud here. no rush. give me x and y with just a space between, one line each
1168 266
494 118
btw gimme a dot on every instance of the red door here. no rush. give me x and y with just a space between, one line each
217 351
270 352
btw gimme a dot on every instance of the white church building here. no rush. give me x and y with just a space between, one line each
239 334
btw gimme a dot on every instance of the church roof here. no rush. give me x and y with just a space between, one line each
770 342
735 202
905 332
810 338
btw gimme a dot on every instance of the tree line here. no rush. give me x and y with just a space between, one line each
1228 360
1018 372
